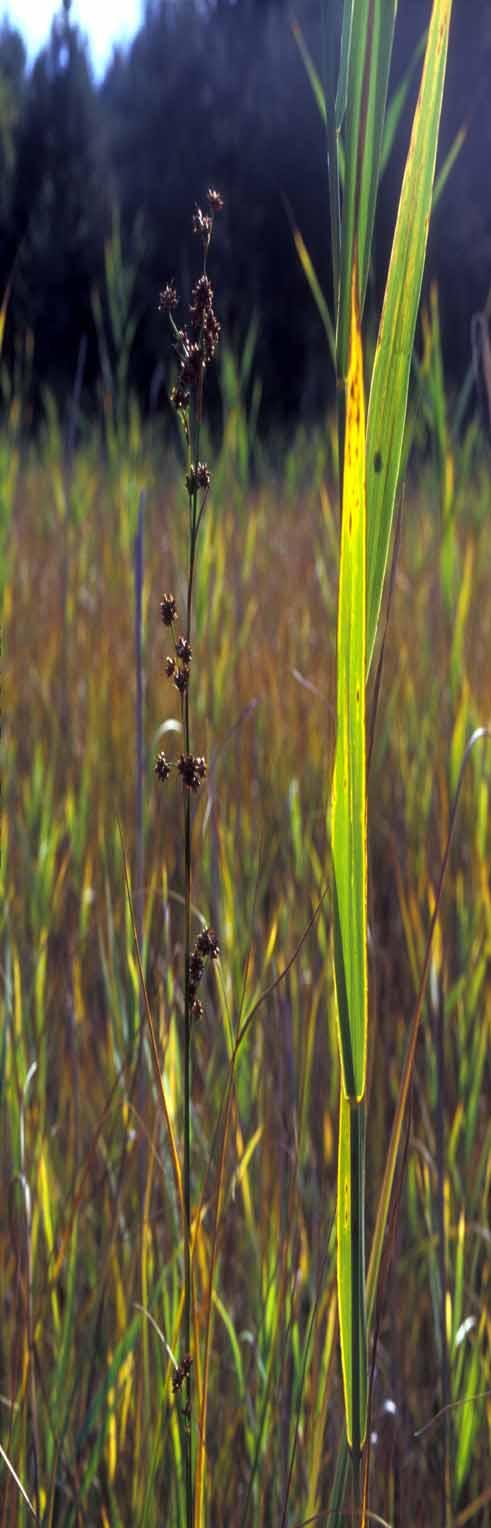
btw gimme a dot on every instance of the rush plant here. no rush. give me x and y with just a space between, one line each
195 346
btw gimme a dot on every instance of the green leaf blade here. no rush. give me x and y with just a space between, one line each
348 826
391 371
368 77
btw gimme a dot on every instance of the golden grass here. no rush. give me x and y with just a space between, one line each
101 1409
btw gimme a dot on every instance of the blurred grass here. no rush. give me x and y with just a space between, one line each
87 1413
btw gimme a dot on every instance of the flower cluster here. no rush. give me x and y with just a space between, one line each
179 672
215 201
168 298
206 948
162 767
203 221
198 477
196 343
181 1372
168 609
192 769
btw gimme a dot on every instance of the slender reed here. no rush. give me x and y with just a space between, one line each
195 346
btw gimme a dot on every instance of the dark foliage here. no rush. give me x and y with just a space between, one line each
212 92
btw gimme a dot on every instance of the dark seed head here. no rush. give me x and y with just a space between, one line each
210 336
181 1372
184 650
162 767
181 679
170 667
168 298
203 475
201 299
168 609
192 770
198 477
215 200
202 225
207 944
192 365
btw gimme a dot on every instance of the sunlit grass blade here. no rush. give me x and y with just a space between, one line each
316 290
467 1415
385 1198
349 779
18 1482
349 854
390 378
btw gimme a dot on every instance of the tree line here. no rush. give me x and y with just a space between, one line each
211 92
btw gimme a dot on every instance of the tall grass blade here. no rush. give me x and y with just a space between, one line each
174 1155
316 290
342 87
390 379
333 141
349 782
453 153
18 1483
310 69
385 1198
349 853
324 92
368 77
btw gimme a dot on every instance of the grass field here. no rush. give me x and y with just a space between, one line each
90 1230
244 1242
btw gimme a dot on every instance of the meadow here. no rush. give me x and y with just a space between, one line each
246 722
90 1231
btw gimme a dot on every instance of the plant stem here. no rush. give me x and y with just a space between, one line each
195 347
188 1017
442 1261
187 1067
187 1140
358 1309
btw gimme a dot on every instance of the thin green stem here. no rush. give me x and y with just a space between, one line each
193 521
358 1312
187 1050
195 513
187 1140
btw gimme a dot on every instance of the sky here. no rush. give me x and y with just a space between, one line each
104 22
